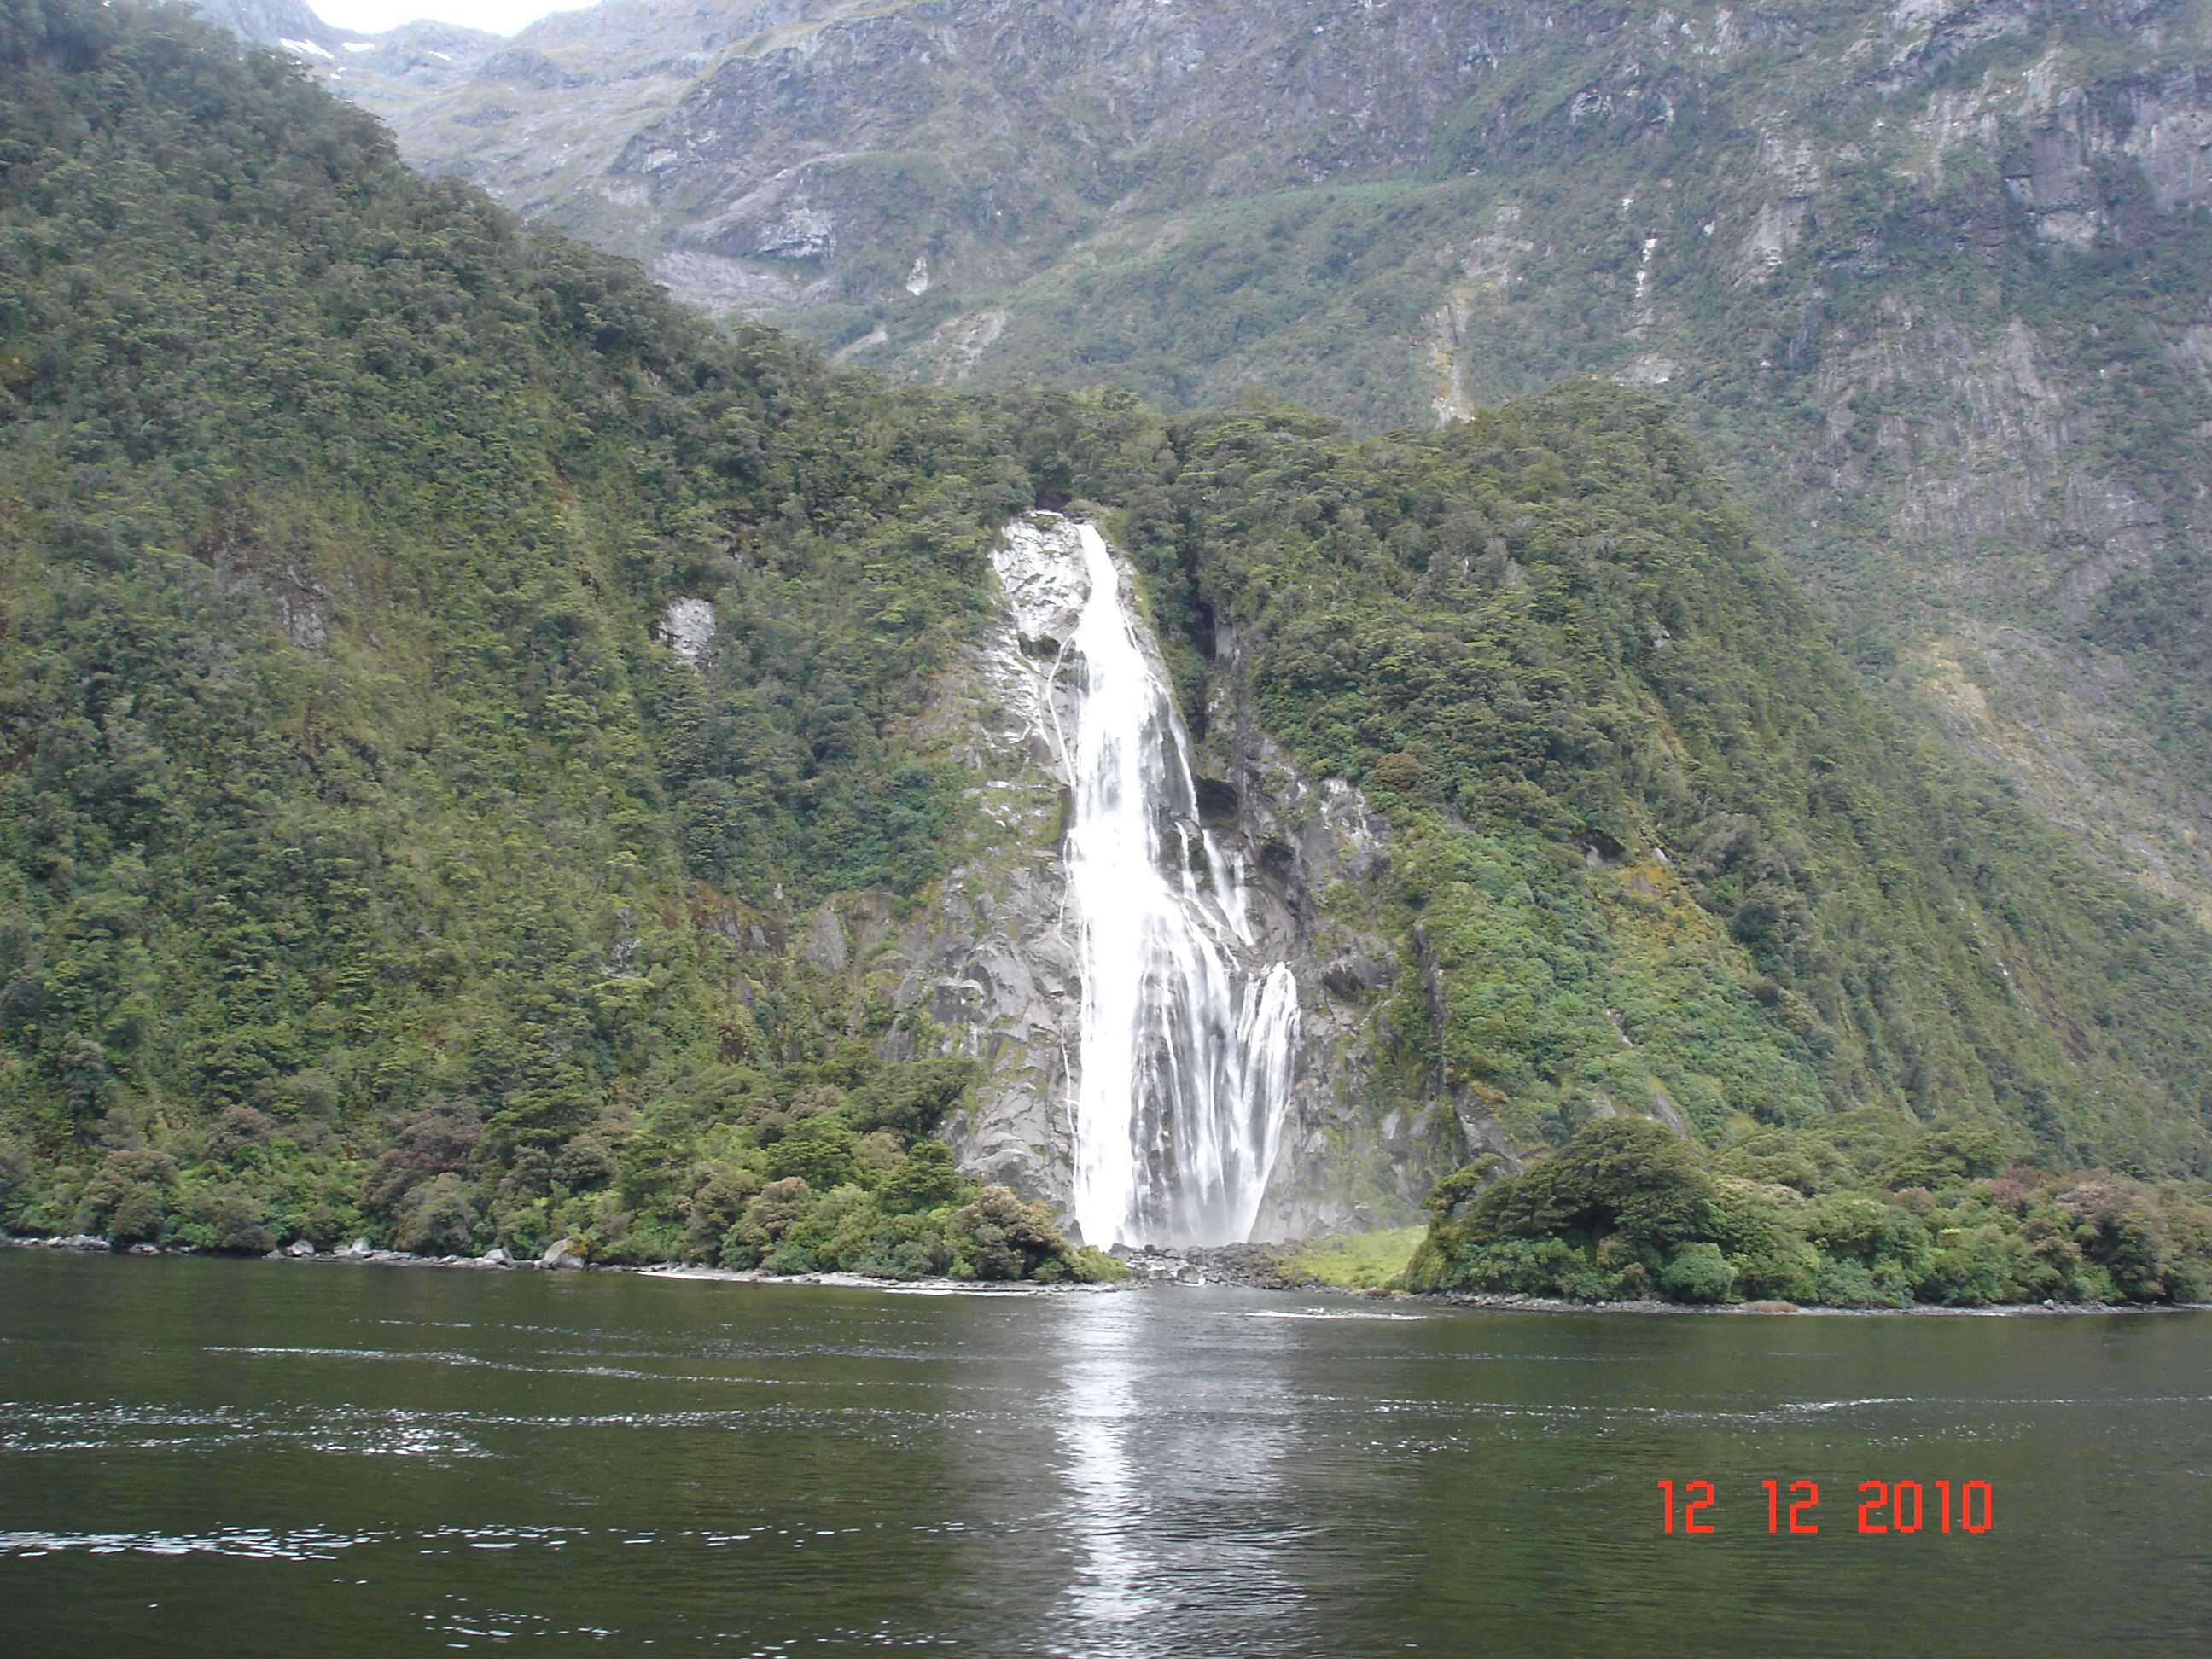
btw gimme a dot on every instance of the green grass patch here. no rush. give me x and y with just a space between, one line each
1357 1261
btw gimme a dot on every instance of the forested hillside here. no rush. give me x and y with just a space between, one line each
373 858
1547 638
352 808
1659 853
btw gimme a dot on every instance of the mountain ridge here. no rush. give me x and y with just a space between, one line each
1928 279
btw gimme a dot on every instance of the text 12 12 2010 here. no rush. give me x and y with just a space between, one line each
1895 1507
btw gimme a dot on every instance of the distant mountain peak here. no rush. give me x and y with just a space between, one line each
280 25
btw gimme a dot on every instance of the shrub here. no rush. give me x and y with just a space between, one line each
439 1217
916 1096
793 1256
1088 1265
15 1176
1787 1158
879 1152
1757 1227
1698 1273
128 1197
1850 1284
327 1224
1968 1269
237 1224
769 1215
1856 1227
1626 1176
585 1165
139 1216
1528 1267
2118 1225
443 1138
1450 1200
918 1258
718 1201
1942 1158
237 1130
2046 1262
1404 773
998 1237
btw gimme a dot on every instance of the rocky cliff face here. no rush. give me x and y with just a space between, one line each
992 959
1358 1147
983 137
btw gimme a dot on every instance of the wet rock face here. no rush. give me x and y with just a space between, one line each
993 961
1313 845
688 628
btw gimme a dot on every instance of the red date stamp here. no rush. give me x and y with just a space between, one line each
1900 1507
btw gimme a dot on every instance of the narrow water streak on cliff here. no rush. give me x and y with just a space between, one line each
1187 1041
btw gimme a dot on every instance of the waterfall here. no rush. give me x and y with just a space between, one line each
1187 1037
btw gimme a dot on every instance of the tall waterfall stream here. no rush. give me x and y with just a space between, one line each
1188 1035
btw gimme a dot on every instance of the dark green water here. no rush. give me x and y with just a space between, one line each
280 1458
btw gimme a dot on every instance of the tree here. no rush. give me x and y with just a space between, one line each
128 1196
821 1152
924 1179
1625 1175
1000 1236
439 1217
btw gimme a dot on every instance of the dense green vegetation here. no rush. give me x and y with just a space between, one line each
364 864
1659 851
369 864
1850 1212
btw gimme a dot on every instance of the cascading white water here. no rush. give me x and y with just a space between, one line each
1187 1039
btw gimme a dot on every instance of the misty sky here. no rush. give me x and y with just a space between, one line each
500 16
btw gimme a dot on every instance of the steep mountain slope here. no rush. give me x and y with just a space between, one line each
1651 826
1933 280
489 756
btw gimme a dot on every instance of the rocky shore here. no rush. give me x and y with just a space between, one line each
299 1249
1248 1267
1269 1268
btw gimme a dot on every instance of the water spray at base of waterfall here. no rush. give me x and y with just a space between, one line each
1188 1040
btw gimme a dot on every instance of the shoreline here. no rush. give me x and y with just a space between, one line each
1251 1267
498 1260
1159 1270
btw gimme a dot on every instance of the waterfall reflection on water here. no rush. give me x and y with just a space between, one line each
1177 1509
1101 1478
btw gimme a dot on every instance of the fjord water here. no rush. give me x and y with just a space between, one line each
1186 1042
247 1458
